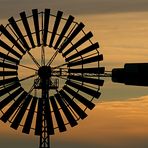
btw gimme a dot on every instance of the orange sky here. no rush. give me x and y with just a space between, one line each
110 124
113 123
120 118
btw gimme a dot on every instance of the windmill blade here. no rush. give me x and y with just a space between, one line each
80 98
74 106
84 89
8 73
46 24
48 117
8 58
79 43
16 122
29 119
27 28
11 38
65 29
86 61
9 80
6 65
55 28
58 116
9 88
8 99
82 52
72 36
66 111
13 107
97 82
96 70
36 25
18 32
9 49
38 128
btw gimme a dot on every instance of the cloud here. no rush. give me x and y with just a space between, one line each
74 6
114 124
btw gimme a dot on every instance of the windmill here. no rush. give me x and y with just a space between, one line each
41 92
38 90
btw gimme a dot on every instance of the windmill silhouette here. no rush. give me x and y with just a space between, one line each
39 92
45 94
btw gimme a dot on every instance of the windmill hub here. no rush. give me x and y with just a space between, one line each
44 72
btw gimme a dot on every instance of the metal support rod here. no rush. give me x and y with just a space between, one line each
64 72
106 74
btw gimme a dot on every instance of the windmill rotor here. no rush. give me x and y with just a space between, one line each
49 72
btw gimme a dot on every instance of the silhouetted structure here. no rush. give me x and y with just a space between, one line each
47 105
131 74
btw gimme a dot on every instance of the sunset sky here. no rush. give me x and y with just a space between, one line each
120 118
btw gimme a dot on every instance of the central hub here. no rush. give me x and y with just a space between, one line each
44 72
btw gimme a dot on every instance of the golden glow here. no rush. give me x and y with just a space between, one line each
123 37
112 122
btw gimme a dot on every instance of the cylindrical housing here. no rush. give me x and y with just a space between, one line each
131 74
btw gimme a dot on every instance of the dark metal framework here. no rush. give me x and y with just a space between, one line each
59 93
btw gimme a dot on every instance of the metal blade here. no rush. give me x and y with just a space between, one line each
66 111
27 28
9 80
36 25
29 119
84 89
58 116
55 28
82 52
13 107
12 96
9 49
6 65
9 88
86 61
11 38
38 128
18 32
80 98
8 73
16 122
97 82
46 24
79 43
66 27
74 106
48 117
97 70
8 58
72 36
